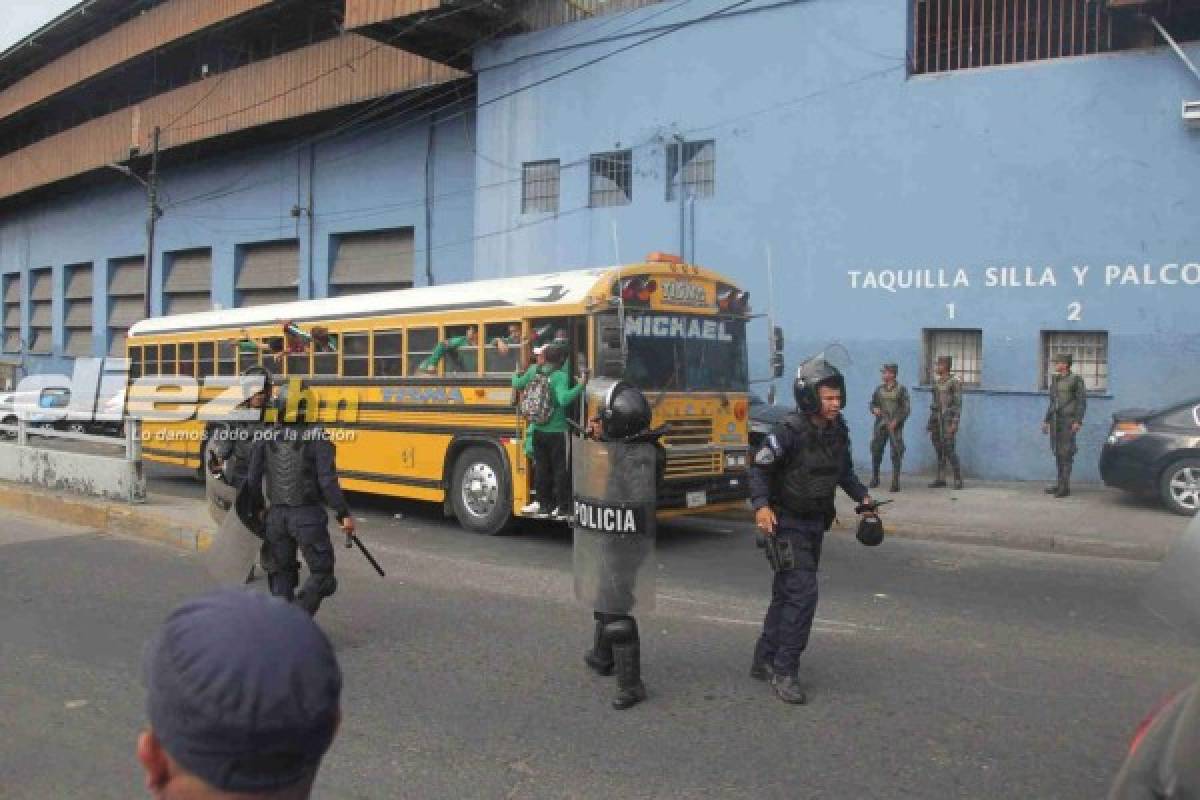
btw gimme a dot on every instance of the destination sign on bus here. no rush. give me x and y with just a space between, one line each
682 292
677 326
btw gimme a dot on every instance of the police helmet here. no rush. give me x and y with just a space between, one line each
811 375
870 531
250 379
624 411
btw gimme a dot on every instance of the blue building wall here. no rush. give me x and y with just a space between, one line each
367 179
829 154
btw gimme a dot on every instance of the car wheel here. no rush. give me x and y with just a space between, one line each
479 491
1180 486
77 427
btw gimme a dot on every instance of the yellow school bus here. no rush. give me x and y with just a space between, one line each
414 420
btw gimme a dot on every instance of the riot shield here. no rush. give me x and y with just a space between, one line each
615 493
1173 592
233 549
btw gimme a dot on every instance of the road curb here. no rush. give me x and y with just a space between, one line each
139 521
1034 542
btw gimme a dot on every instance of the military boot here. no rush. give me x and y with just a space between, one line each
630 689
788 689
958 484
940 481
600 657
1064 481
895 476
874 474
1057 486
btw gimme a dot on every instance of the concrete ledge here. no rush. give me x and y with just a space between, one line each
141 521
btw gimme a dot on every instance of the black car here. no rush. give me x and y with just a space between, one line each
1156 452
763 418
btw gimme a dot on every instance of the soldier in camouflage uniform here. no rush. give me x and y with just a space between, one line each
1064 418
891 406
944 414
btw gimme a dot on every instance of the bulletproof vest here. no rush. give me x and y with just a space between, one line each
889 399
1065 399
941 394
291 470
814 466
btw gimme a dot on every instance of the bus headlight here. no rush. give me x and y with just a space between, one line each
735 459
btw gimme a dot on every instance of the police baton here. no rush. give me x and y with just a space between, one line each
352 540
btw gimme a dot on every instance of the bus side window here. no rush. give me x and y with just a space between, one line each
151 368
226 358
502 347
460 355
421 344
168 359
389 354
187 359
356 355
135 363
297 363
204 365
325 362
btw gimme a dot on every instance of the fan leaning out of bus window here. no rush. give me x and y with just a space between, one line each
450 345
548 394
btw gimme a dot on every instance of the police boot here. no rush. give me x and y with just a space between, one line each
627 655
600 657
874 474
1064 480
788 689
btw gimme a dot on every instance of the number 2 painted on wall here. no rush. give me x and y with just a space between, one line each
1074 312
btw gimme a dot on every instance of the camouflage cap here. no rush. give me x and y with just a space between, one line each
890 367
1064 358
947 360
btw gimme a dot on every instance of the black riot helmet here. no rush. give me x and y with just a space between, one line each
870 531
250 378
811 375
624 411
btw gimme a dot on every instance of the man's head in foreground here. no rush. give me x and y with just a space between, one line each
243 695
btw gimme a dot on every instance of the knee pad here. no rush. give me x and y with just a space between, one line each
621 631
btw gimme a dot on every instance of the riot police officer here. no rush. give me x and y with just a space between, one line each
793 480
297 460
233 442
617 469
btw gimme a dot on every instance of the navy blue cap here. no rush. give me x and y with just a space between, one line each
243 691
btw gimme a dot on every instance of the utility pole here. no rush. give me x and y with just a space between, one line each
151 220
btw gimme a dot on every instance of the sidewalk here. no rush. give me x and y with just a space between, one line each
1093 521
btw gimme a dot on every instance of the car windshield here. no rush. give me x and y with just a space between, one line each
686 352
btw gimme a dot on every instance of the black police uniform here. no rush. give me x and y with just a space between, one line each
298 464
796 473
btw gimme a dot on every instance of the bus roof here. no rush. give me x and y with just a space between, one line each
553 290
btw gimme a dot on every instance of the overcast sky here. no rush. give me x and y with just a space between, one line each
19 18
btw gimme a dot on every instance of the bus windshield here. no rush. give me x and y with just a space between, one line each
686 352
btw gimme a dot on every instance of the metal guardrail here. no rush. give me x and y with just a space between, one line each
27 456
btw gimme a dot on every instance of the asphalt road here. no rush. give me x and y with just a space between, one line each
935 670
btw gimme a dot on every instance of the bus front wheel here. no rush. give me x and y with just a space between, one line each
480 493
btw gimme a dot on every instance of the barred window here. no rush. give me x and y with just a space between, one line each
539 186
699 169
611 181
961 34
10 290
964 346
1089 353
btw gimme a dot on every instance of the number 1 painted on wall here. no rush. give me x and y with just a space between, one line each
949 310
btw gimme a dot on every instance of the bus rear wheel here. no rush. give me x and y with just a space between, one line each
479 491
